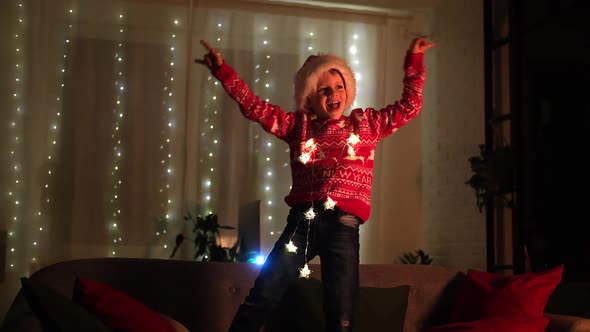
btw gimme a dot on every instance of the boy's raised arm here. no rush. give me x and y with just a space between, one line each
271 117
388 120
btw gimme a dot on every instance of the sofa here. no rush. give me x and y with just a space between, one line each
203 296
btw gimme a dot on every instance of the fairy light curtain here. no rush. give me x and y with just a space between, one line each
92 151
111 132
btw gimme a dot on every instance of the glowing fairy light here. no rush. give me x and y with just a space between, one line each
351 142
304 272
354 139
310 214
304 158
310 42
329 204
351 153
308 148
291 247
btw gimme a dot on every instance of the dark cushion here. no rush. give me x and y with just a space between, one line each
57 312
380 307
301 309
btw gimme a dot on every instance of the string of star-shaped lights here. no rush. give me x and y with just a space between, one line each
308 150
310 215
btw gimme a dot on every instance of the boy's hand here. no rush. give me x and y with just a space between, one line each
212 59
420 45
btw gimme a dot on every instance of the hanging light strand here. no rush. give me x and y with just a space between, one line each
119 107
169 118
266 147
53 134
210 139
16 228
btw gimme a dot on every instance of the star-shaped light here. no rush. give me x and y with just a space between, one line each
309 214
353 139
304 272
308 148
351 153
305 157
351 142
291 247
329 204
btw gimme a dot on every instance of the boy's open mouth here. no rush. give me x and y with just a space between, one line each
334 105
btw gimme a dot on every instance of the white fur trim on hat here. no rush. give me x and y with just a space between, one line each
307 77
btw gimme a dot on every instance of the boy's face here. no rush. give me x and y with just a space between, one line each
330 96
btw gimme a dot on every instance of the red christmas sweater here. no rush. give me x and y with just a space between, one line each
331 157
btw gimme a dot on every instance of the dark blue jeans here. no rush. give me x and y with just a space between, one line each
334 236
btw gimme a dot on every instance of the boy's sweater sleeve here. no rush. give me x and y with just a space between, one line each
386 121
271 117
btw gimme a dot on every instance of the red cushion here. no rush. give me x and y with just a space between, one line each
496 324
116 309
484 294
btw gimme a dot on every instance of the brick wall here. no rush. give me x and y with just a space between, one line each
454 229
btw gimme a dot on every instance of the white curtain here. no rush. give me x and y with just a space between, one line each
112 132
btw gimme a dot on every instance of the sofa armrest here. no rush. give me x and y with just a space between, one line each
564 323
26 322
176 325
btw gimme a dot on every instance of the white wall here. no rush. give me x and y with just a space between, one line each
454 229
426 203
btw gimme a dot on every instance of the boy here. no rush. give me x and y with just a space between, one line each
332 172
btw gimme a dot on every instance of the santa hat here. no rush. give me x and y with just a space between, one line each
307 77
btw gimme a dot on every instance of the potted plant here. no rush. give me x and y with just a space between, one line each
419 256
207 241
493 175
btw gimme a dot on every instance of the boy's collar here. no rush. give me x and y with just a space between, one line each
329 121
